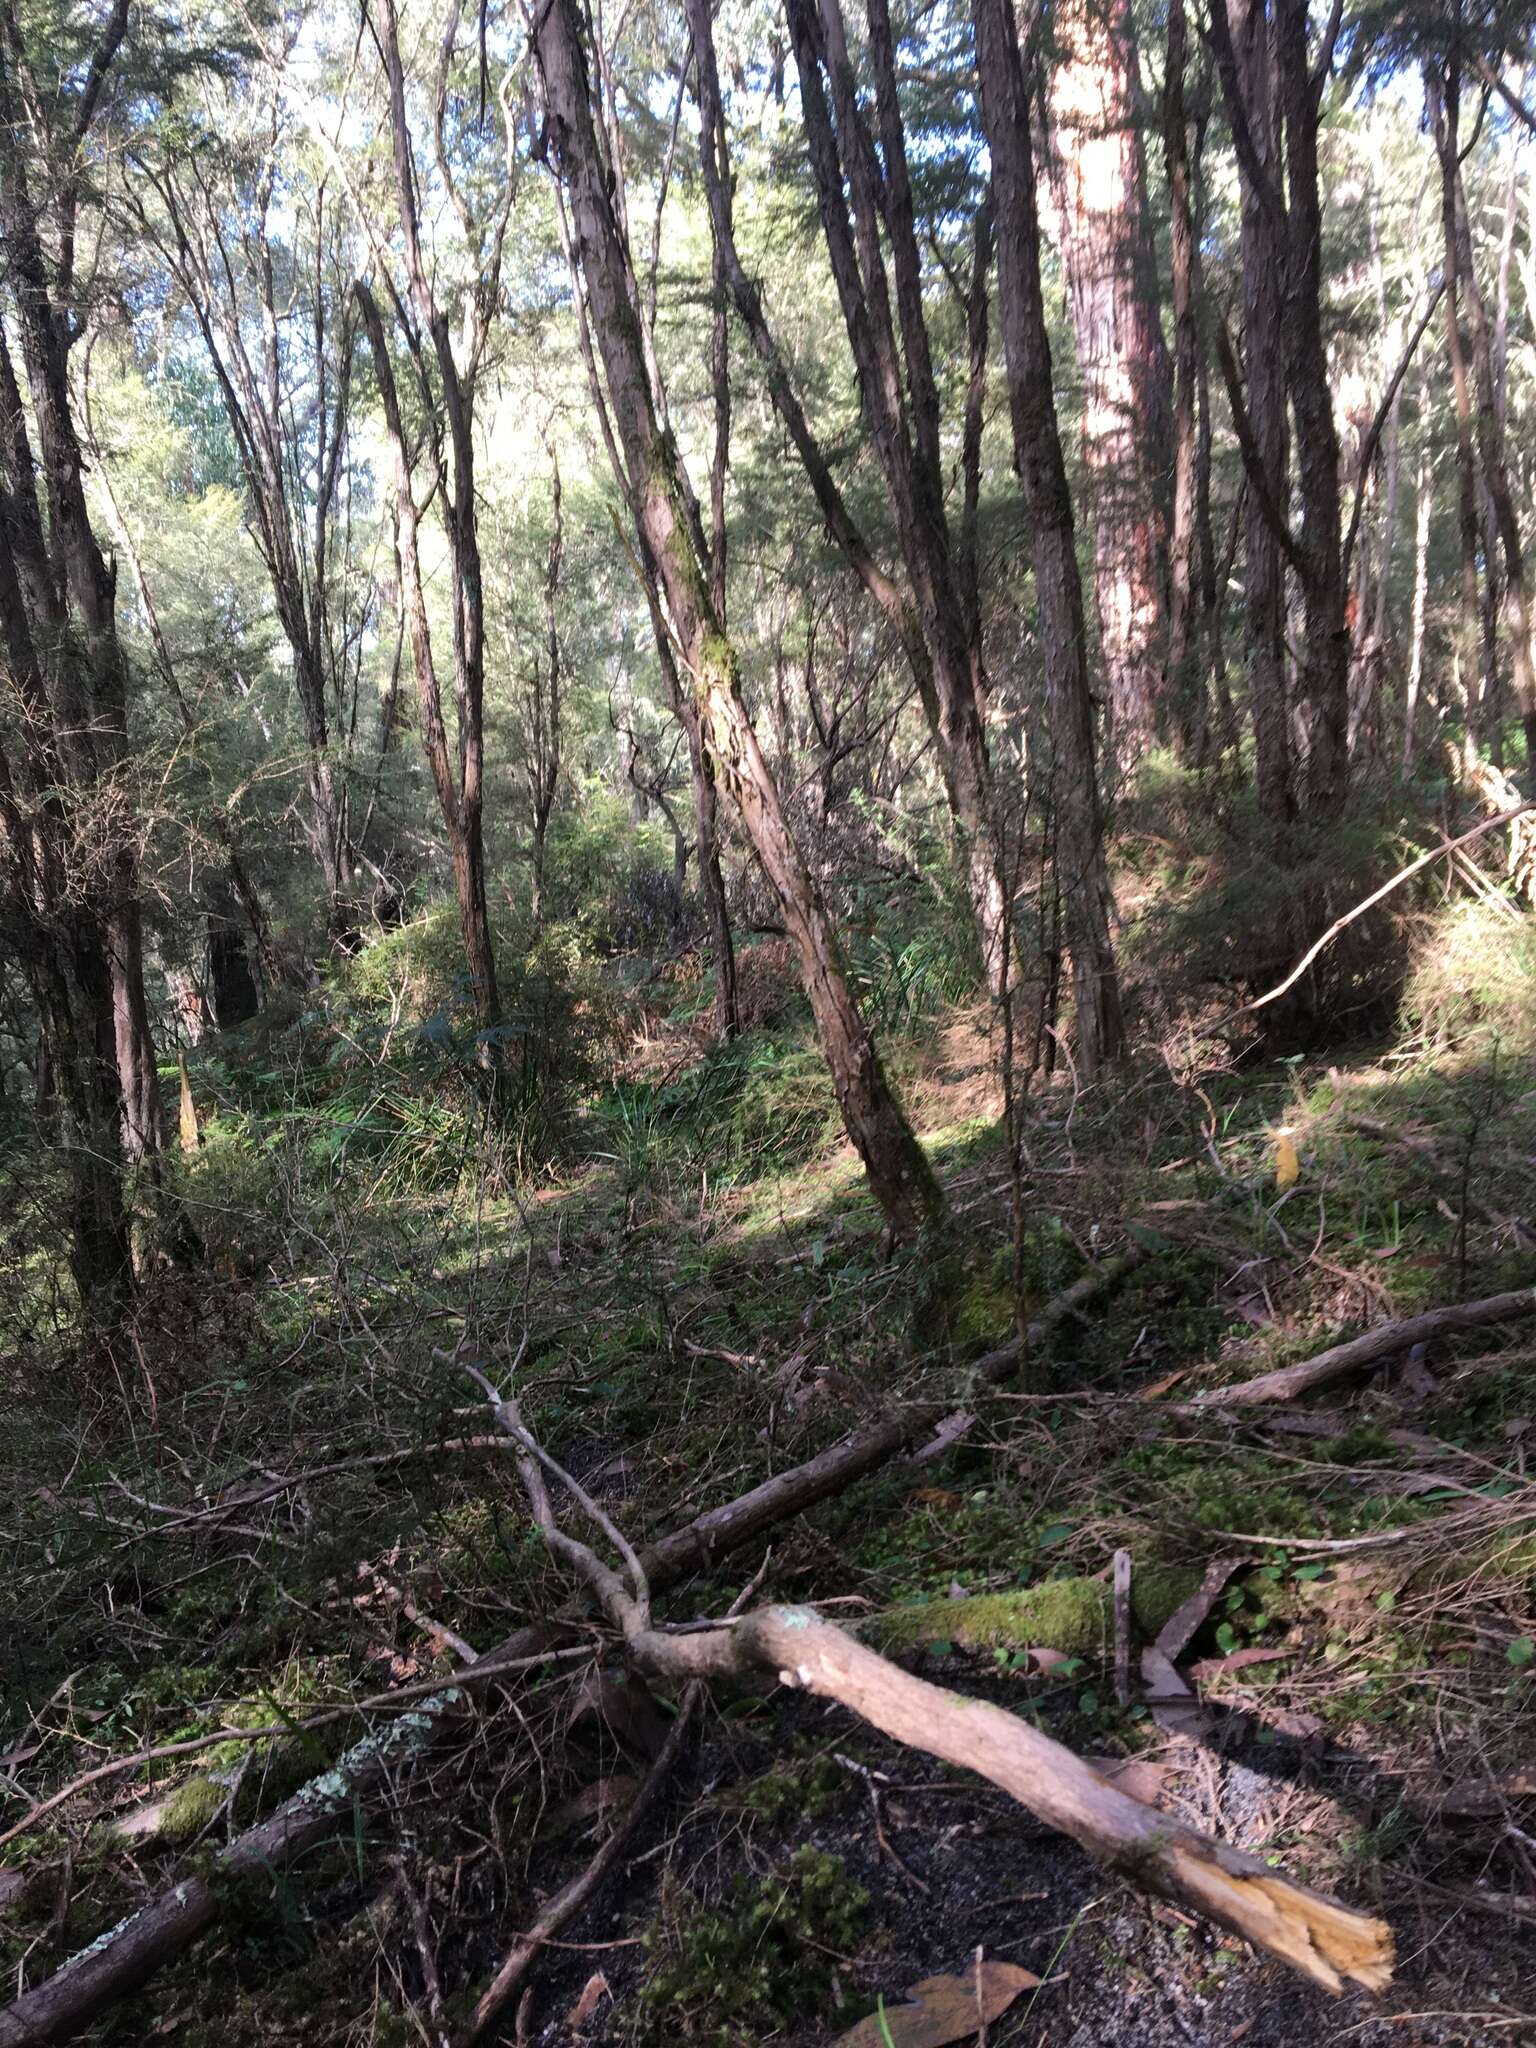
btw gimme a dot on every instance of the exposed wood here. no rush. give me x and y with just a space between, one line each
1327 1942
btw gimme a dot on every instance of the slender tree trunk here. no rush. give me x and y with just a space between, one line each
899 395
1274 769
1490 436
1325 645
1081 873
900 1176
1184 683
1420 593
1099 175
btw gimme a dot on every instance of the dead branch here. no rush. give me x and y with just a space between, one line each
1366 903
1327 1942
1291 1380
571 1897
120 1960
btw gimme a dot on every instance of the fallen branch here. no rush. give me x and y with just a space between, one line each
1290 1380
1376 896
1327 1942
572 1896
120 1960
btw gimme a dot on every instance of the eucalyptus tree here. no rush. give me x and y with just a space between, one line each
871 230
1274 74
1097 160
1078 824
434 456
71 848
256 246
668 528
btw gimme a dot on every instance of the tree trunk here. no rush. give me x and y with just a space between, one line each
1444 110
900 401
1274 771
1184 684
1420 592
1325 646
1082 877
900 1176
1099 177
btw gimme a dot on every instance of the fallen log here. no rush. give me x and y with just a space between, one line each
120 1960
1327 1942
1288 1381
1330 1943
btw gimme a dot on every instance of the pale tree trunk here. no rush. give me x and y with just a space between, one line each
1099 178
458 772
1420 592
1444 97
900 1176
1081 872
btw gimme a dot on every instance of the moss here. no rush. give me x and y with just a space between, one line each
1158 1591
811 1788
191 1807
763 1956
1072 1615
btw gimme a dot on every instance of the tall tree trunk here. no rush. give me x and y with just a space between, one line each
898 393
1185 684
1264 572
1081 873
1099 176
1420 592
900 1176
1325 646
1461 279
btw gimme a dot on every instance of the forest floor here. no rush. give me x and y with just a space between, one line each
700 1300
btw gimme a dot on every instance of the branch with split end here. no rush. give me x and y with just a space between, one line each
1327 1942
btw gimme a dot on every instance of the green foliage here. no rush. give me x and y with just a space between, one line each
766 1955
1473 979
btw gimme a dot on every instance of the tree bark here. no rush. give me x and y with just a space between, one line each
1080 863
1185 686
1461 281
1098 173
930 613
900 1176
1325 648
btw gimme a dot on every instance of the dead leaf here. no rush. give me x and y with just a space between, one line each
604 1797
1287 1160
1238 1660
1174 1707
1181 1627
1168 1381
592 1994
943 2009
1300 1727
628 1710
1135 1775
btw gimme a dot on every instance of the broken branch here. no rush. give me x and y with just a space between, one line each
1290 1380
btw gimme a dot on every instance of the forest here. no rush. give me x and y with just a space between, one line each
768 1023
